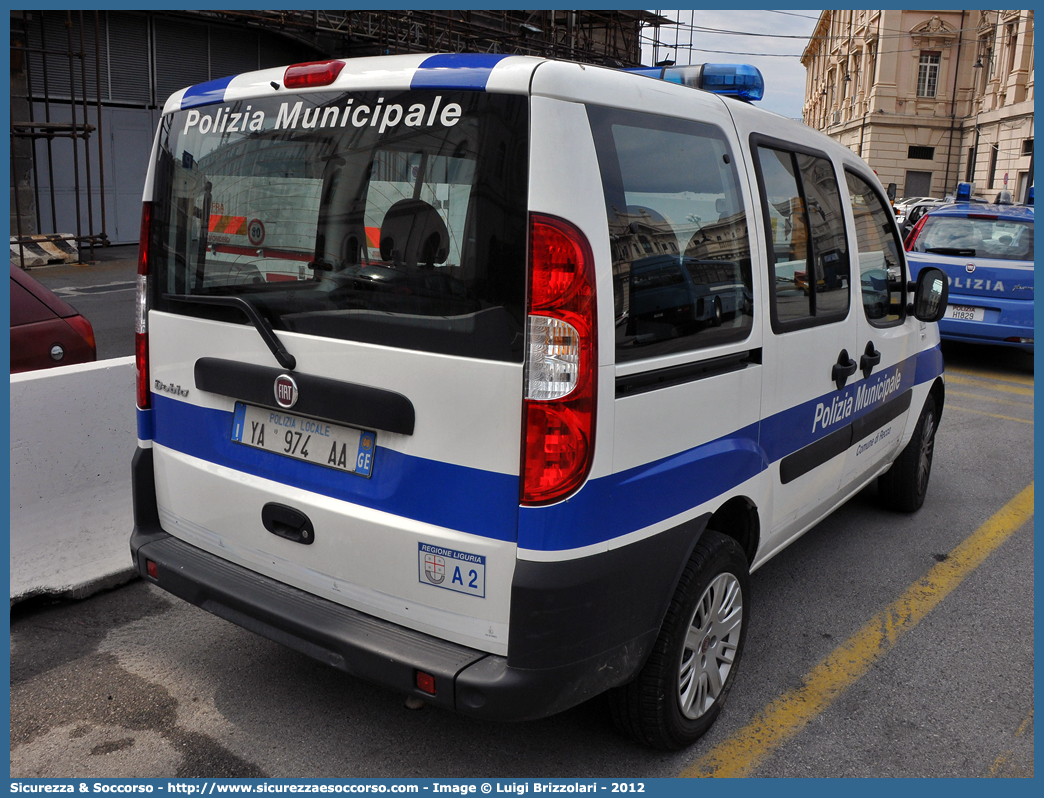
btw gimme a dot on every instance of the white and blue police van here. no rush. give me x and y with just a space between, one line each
491 378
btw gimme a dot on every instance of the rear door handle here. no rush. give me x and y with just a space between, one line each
286 522
844 368
871 357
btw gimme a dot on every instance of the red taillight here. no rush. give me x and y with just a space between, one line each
141 362
152 569
141 318
313 73
556 260
559 405
911 237
84 330
425 682
143 237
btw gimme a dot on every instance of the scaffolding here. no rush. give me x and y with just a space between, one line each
78 131
611 38
57 79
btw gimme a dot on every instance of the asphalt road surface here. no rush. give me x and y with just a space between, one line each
133 682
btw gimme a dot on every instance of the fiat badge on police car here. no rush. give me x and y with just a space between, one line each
285 391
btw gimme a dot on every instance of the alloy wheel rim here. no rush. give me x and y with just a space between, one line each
711 645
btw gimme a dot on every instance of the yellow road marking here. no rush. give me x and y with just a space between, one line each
1025 724
998 763
993 375
1002 760
988 387
781 720
1027 405
991 415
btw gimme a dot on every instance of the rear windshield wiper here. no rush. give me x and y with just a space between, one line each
958 252
286 360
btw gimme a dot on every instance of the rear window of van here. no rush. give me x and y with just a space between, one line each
394 218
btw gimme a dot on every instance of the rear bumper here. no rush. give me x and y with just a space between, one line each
466 680
990 339
1004 318
555 628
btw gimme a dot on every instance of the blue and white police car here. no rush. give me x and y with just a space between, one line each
491 378
986 252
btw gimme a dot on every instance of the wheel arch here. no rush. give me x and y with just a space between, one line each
738 518
938 393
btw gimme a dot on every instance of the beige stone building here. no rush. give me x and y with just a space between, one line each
927 98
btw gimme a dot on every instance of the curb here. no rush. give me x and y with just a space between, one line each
83 590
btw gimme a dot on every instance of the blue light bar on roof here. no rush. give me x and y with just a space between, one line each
742 81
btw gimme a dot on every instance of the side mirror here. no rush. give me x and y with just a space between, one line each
891 192
930 295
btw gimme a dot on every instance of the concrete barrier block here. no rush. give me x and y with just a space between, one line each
73 435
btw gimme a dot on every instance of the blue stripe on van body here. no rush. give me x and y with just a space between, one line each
486 503
792 429
929 365
467 499
213 91
455 71
618 504
144 418
621 503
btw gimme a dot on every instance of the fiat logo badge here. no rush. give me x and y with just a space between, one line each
285 391
969 268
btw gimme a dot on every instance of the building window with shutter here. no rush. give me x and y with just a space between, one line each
928 75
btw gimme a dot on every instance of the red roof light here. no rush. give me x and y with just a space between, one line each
313 73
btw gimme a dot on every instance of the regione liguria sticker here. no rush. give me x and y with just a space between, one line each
451 569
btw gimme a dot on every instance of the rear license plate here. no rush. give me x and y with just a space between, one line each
964 313
330 445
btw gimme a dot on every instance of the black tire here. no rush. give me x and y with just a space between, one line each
718 315
904 486
649 709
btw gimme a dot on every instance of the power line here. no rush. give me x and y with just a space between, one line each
808 37
660 43
667 45
791 14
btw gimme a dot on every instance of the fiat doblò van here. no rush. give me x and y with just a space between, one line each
491 378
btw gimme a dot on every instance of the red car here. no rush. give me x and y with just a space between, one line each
45 331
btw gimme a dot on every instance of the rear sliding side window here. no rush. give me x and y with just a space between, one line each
678 233
395 217
808 251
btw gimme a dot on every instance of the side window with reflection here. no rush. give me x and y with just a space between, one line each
808 251
677 231
880 265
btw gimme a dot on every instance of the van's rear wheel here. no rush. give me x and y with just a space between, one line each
904 486
680 691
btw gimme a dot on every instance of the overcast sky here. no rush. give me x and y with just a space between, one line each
784 75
